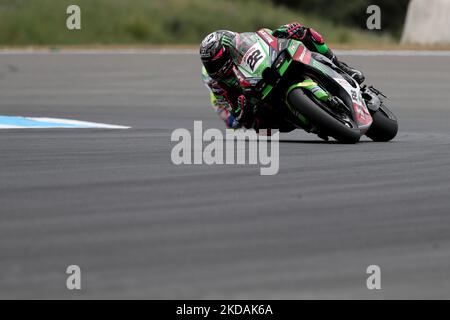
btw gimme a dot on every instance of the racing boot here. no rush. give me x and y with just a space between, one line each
352 72
357 75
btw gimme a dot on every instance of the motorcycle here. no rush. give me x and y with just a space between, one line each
307 90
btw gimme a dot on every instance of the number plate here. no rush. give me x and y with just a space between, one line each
253 57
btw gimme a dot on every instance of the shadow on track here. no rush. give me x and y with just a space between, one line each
320 142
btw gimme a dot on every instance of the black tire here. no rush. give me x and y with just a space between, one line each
324 121
383 128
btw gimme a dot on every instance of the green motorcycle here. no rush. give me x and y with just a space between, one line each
308 91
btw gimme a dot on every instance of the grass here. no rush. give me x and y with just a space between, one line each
137 22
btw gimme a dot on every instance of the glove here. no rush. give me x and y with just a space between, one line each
292 31
245 117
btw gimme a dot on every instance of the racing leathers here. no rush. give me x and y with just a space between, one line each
227 97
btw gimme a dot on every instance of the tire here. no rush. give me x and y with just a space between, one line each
324 121
383 128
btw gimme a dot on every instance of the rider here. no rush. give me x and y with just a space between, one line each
227 96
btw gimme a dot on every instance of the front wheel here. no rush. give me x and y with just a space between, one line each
384 126
320 118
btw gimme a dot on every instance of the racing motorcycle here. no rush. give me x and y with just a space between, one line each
307 90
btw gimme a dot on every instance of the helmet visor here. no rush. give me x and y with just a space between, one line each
219 64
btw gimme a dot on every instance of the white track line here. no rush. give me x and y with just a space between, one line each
163 52
400 53
81 124
100 52
11 122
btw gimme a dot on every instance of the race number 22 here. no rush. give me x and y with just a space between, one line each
253 59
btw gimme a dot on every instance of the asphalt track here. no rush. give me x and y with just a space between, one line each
112 202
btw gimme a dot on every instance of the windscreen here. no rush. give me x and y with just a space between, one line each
242 43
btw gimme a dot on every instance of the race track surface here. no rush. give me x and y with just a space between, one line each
112 202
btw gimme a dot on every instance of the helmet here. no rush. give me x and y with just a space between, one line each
215 56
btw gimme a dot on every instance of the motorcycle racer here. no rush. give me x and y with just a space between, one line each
227 97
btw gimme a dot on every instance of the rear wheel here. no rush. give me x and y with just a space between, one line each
298 100
384 126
